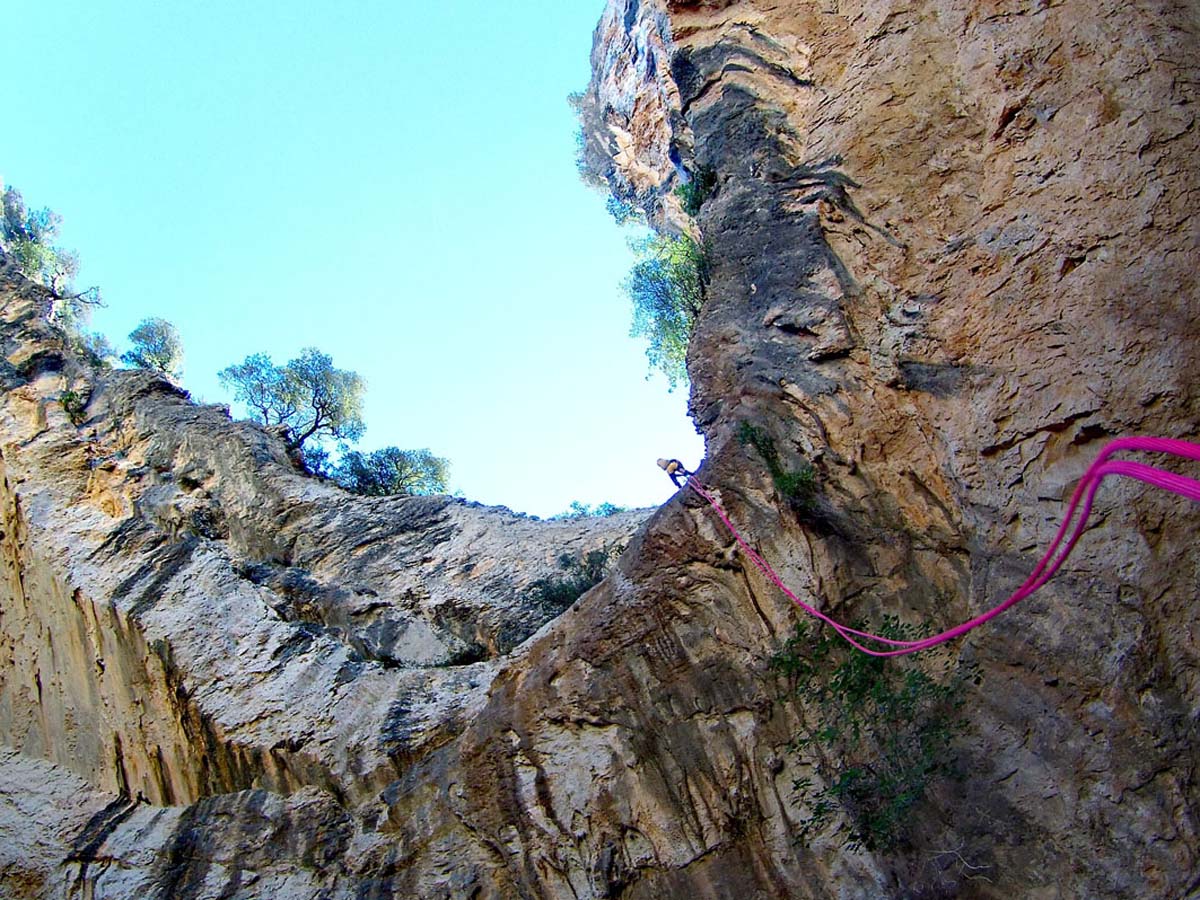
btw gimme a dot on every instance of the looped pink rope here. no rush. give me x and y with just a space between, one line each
1081 500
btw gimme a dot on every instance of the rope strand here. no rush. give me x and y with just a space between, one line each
1081 502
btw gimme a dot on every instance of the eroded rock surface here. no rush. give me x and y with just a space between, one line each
953 251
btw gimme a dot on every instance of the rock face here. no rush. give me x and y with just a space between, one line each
953 250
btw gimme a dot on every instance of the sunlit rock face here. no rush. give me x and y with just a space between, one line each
953 251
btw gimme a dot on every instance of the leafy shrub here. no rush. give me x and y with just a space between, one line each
73 405
27 237
315 459
307 397
156 346
667 286
593 161
883 730
580 574
392 471
579 510
622 210
797 486
94 346
699 188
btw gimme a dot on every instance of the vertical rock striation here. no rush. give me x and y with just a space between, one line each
953 251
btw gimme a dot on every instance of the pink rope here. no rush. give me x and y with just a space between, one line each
1081 501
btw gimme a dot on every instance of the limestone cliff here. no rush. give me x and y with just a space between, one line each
952 249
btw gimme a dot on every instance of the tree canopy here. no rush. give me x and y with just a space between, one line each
157 347
307 396
592 159
392 471
579 510
667 286
28 236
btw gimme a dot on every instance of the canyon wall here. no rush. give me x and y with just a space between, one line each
952 252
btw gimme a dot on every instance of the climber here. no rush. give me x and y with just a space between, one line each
675 469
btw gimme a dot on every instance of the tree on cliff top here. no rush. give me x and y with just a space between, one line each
667 286
308 397
592 159
157 347
28 236
392 471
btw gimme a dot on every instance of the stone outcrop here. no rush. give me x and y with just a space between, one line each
952 250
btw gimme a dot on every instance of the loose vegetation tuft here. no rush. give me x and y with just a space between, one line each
694 192
878 732
580 574
797 486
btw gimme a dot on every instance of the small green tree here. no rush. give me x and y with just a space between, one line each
260 384
157 347
392 471
27 236
94 346
623 210
579 510
307 396
667 287
592 159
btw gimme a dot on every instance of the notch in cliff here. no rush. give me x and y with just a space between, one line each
186 614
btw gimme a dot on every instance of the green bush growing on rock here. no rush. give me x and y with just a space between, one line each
797 486
27 237
580 574
73 405
667 286
882 730
694 192
622 210
592 159
94 347
580 510
308 398
392 471
157 347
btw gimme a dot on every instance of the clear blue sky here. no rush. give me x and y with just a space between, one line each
391 182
